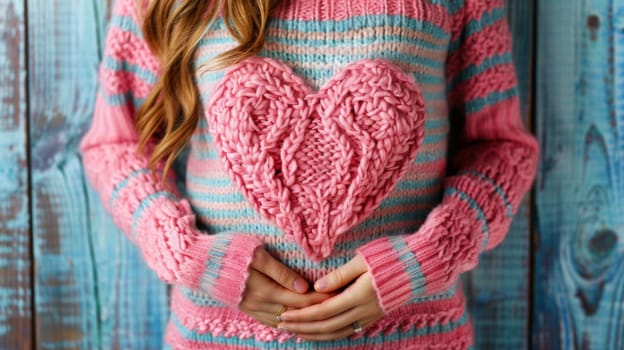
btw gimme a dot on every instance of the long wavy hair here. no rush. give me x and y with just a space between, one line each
172 29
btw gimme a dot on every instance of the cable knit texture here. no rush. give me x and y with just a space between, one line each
390 129
318 163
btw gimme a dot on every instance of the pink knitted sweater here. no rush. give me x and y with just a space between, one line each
385 128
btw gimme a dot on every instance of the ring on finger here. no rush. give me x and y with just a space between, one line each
357 327
278 315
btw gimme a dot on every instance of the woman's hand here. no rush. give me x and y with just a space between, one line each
334 317
270 286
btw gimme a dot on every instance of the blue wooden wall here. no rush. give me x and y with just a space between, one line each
70 280
579 233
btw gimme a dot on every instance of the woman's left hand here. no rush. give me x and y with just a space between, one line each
334 318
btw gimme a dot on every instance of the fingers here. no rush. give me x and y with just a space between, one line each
343 333
342 276
361 292
340 333
282 275
266 318
261 290
264 299
331 325
298 301
328 308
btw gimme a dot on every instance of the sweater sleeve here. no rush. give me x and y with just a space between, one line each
492 168
152 215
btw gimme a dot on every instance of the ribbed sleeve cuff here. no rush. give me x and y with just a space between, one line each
426 262
216 264
225 259
393 284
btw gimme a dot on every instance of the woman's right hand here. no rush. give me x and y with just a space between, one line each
272 285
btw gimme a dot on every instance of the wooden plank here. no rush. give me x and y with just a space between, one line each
15 257
498 289
579 290
93 289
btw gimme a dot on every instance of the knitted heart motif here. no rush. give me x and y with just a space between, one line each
316 163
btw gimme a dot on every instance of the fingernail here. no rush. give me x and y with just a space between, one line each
284 318
320 284
300 286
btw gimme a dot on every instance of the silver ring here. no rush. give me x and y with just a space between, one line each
357 328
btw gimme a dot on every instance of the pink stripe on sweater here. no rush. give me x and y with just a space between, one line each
196 317
121 82
367 32
129 8
498 121
226 322
125 46
223 221
447 244
491 204
397 289
461 338
201 167
490 41
328 10
105 116
498 78
408 48
472 11
127 202
200 189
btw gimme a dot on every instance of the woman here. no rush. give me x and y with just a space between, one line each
348 160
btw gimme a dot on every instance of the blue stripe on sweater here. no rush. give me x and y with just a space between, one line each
453 6
213 264
379 36
377 339
249 214
122 99
476 25
364 22
476 207
350 24
122 184
478 104
319 56
421 156
124 66
411 266
203 300
145 203
266 229
317 74
474 70
388 203
487 19
499 190
347 41
404 184
126 23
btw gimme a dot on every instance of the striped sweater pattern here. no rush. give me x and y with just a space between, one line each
390 129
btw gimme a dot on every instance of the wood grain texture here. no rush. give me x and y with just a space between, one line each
498 289
92 287
15 257
579 286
